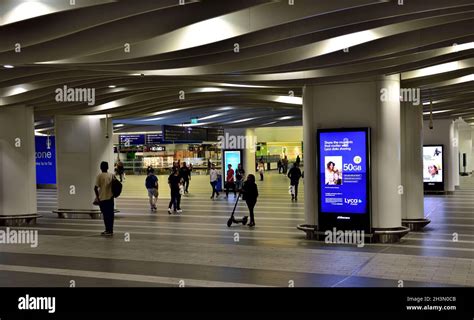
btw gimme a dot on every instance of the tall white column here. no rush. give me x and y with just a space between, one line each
442 133
412 167
387 158
454 147
465 146
360 104
249 151
310 159
82 143
17 166
247 136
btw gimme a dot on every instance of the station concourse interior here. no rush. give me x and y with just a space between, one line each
371 100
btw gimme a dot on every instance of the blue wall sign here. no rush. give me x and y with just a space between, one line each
45 154
127 140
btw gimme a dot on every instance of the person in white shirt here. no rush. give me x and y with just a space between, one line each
105 197
214 174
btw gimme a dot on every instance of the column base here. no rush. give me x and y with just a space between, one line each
415 224
46 186
310 230
79 214
19 220
438 192
389 235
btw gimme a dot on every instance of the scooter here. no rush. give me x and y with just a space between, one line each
232 219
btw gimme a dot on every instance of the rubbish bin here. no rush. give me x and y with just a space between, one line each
219 183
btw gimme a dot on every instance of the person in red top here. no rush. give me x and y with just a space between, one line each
229 181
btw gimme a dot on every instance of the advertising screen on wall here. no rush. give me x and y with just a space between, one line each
45 154
233 157
433 167
344 178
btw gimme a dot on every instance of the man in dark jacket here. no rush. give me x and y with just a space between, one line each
294 174
174 181
250 195
185 174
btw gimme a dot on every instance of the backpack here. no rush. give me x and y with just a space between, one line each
116 187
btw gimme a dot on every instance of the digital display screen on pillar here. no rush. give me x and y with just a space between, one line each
344 178
233 157
45 154
433 167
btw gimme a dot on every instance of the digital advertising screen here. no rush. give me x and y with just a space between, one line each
233 157
45 154
344 178
433 167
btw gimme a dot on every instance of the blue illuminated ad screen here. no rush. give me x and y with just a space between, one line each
45 154
343 175
233 157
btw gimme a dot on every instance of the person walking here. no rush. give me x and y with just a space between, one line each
213 176
229 181
298 160
285 165
120 170
239 177
261 169
294 174
174 181
185 174
151 184
279 165
105 198
250 195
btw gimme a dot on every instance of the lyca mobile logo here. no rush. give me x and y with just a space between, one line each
352 202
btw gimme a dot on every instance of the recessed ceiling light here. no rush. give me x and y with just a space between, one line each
159 113
119 125
285 118
212 116
112 86
242 120
8 66
269 123
289 100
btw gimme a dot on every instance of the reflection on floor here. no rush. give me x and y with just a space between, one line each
197 247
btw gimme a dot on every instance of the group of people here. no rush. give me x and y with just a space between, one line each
178 181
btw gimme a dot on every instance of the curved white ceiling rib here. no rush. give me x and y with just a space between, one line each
190 49
13 11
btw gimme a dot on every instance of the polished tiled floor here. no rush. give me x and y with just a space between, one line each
197 249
